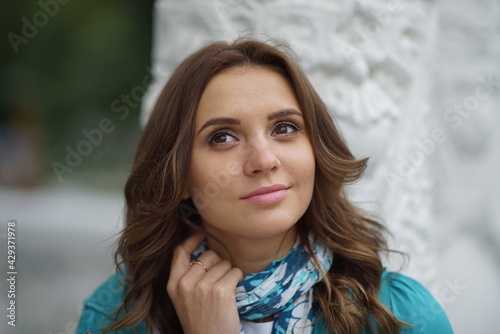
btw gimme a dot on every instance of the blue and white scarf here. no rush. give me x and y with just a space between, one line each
284 287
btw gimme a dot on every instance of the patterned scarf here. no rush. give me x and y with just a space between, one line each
284 287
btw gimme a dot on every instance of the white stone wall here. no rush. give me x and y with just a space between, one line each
391 72
466 167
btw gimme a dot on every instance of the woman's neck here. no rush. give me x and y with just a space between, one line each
252 255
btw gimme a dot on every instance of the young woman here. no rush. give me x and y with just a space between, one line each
237 220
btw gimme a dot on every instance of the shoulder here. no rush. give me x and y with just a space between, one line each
108 297
411 302
99 310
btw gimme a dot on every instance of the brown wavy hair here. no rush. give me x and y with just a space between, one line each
158 219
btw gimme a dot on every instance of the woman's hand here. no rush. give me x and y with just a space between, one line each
204 300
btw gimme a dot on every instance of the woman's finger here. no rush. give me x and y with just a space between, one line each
182 256
233 277
216 271
208 260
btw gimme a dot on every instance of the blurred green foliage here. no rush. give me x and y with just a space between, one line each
81 56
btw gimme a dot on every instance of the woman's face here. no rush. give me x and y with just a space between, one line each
252 164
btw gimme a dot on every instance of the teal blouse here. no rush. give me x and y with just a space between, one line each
406 298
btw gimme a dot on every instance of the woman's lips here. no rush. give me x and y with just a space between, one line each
267 195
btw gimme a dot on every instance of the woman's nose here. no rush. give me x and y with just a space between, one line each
260 158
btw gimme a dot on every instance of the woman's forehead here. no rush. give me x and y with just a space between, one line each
245 92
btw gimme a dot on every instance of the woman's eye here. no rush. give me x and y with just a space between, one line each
221 139
285 128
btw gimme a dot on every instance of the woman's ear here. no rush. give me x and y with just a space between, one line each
185 195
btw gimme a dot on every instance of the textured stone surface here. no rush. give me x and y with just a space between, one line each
392 73
466 167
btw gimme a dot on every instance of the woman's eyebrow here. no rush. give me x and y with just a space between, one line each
233 121
219 121
284 113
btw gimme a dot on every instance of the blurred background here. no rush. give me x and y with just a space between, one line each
66 69
78 78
